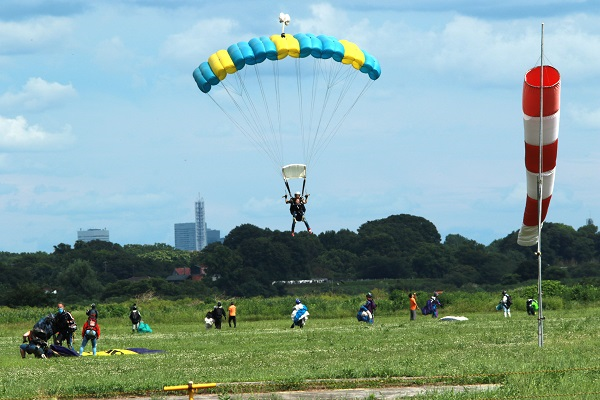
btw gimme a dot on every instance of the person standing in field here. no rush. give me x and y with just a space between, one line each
135 317
218 315
92 312
371 306
413 306
506 302
90 332
232 310
65 326
434 304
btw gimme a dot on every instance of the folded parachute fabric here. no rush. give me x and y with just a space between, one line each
60 351
120 352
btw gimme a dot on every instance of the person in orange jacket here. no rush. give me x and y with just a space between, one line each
413 306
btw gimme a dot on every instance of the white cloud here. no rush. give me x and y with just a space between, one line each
37 95
17 134
34 35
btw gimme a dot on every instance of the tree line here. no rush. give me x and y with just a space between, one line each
251 259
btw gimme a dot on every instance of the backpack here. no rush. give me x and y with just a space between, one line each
91 332
45 325
508 301
363 314
135 316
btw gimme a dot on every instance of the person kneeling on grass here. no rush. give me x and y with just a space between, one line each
34 342
90 332
299 314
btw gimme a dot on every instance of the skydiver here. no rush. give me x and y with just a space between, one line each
297 210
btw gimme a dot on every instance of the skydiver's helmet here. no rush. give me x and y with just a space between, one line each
297 194
504 292
298 301
219 304
93 305
369 295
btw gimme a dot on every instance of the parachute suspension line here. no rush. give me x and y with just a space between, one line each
307 140
278 106
287 185
252 111
327 127
322 109
301 107
242 129
340 121
276 141
539 195
333 132
248 112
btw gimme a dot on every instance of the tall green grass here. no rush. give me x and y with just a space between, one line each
334 350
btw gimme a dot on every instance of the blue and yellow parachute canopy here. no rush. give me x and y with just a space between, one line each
277 47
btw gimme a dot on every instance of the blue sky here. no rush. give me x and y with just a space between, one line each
102 125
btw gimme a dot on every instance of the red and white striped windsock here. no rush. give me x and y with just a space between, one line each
532 117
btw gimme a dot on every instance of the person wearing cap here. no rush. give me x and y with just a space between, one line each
92 312
218 314
297 209
371 306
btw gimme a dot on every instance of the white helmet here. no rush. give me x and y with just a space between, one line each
297 194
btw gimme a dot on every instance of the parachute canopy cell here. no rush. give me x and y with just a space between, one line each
276 47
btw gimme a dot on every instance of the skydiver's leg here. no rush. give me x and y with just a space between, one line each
307 226
293 224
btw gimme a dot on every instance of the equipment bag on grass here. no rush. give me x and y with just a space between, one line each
144 328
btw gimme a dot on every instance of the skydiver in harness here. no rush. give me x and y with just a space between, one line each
297 210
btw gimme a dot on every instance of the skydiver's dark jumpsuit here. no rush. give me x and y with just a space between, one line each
297 210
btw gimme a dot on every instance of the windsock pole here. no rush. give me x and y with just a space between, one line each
539 197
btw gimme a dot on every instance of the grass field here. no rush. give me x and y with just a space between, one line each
327 353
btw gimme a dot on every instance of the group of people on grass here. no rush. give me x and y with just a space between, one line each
58 329
216 316
61 326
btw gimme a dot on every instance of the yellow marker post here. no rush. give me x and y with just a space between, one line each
190 387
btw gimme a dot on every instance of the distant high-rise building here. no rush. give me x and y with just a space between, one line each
213 235
200 225
93 234
192 236
185 236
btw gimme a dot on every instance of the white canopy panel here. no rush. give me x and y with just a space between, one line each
293 171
